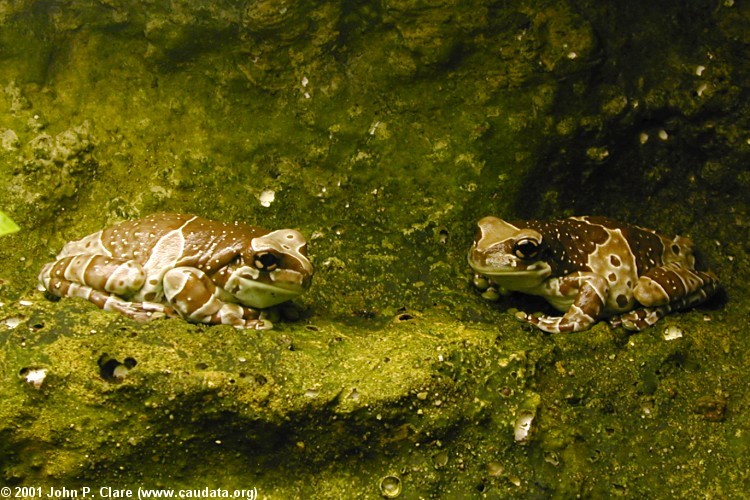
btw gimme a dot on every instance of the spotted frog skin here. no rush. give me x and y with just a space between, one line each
590 268
175 264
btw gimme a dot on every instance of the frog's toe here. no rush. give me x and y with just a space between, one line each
522 316
615 321
254 324
575 320
632 325
139 311
261 324
491 294
639 319
157 308
480 282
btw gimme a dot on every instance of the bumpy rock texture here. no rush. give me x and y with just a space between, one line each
384 130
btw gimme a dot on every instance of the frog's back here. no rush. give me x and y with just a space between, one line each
129 237
137 239
649 248
593 243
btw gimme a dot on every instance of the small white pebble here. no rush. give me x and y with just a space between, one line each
35 377
522 427
267 197
663 135
12 323
672 333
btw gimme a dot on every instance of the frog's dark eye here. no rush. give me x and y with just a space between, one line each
267 261
526 248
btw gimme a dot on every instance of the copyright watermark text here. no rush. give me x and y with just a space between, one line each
32 492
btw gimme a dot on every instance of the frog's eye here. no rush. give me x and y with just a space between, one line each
266 261
526 248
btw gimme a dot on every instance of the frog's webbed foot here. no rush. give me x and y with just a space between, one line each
639 319
574 320
139 311
490 290
238 316
195 297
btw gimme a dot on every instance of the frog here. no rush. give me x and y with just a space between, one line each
589 268
183 265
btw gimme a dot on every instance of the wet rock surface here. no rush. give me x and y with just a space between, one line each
382 131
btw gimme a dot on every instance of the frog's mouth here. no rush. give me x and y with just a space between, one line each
513 274
258 294
260 290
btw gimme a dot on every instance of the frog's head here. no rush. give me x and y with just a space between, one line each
511 257
274 269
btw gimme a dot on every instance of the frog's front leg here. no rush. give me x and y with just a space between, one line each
490 290
196 298
667 288
589 293
100 280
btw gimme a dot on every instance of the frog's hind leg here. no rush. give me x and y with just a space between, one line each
195 297
591 295
98 278
664 289
99 272
139 311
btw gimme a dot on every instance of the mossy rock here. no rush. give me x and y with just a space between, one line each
384 130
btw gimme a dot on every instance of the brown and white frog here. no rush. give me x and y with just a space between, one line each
589 268
203 270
